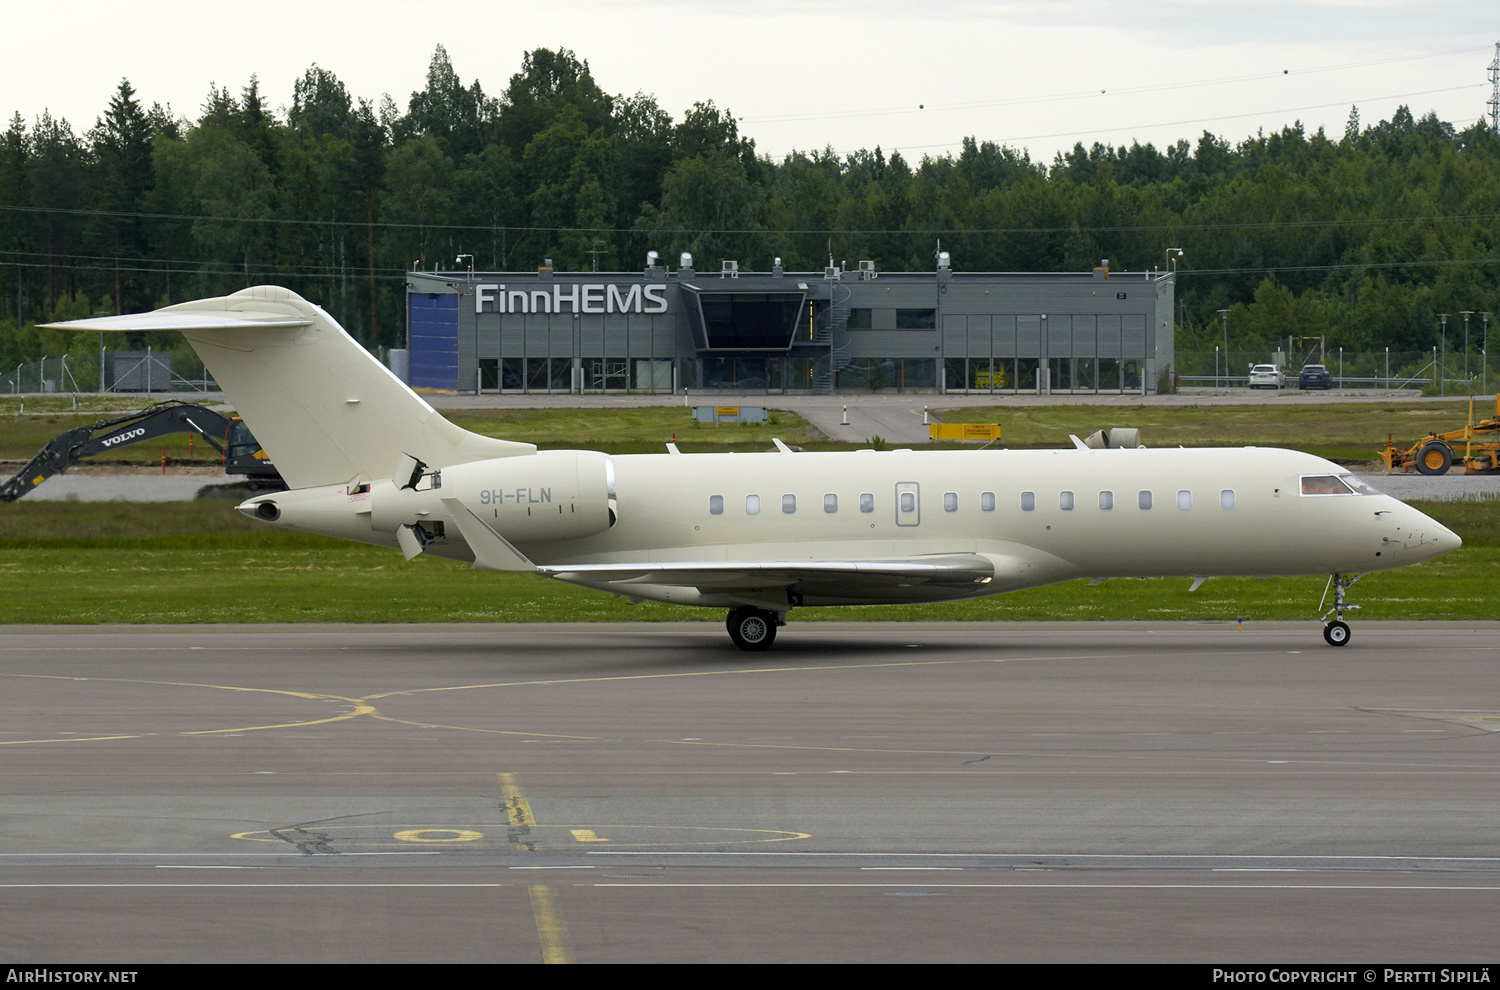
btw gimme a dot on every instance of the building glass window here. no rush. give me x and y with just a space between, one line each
916 319
860 319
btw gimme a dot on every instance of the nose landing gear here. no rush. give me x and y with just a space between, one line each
1336 633
753 629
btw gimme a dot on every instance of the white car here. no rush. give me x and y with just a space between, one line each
1267 376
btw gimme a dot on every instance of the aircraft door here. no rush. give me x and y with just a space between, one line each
908 504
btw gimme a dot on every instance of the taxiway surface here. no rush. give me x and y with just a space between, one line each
868 791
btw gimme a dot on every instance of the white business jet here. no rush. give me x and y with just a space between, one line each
760 534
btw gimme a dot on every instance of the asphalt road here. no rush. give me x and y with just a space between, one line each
1099 792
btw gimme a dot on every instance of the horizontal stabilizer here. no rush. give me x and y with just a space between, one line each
166 319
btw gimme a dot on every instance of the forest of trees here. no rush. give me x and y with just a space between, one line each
1364 237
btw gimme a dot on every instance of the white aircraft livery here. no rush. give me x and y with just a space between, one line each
367 459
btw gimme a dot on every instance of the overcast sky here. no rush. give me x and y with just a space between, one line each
1038 76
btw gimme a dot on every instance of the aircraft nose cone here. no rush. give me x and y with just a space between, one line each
1430 538
1446 539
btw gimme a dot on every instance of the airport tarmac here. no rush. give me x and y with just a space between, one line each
914 792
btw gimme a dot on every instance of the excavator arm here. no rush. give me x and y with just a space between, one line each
158 420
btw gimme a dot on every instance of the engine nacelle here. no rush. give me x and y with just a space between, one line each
545 497
533 498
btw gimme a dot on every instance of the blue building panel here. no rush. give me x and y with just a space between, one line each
433 319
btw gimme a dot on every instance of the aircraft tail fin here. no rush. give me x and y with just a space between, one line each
325 410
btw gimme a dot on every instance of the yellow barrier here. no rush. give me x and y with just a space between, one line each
964 431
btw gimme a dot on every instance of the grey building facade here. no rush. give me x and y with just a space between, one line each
680 330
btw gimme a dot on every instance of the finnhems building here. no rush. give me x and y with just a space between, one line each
679 331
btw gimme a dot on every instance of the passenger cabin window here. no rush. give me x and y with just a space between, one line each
1143 499
866 502
752 505
986 501
1065 501
908 502
1106 500
830 503
1184 499
1226 498
1028 501
716 505
950 501
788 504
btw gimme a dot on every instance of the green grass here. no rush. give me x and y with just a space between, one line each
1347 432
201 561
622 430
633 429
1344 431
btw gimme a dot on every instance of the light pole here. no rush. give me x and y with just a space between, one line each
1224 315
1467 313
468 279
1443 358
1484 352
1169 262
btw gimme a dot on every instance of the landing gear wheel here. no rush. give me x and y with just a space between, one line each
1336 633
1434 458
752 629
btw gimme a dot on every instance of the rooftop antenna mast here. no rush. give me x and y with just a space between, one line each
1494 104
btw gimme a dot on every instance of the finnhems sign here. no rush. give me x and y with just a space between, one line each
583 298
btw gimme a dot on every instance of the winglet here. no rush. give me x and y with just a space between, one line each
492 552
1077 443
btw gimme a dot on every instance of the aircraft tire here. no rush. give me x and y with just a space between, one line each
1336 633
751 629
1434 458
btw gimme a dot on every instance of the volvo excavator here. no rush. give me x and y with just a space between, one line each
241 453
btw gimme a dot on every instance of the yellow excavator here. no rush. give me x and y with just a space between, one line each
1476 447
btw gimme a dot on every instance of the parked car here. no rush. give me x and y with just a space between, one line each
1314 376
1267 376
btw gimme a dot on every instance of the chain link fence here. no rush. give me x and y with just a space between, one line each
1430 372
125 372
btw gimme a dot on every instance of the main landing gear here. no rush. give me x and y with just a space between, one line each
753 629
1336 633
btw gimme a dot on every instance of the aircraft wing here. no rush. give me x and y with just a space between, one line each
935 577
724 574
931 577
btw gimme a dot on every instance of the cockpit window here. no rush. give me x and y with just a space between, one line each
1360 488
1324 484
